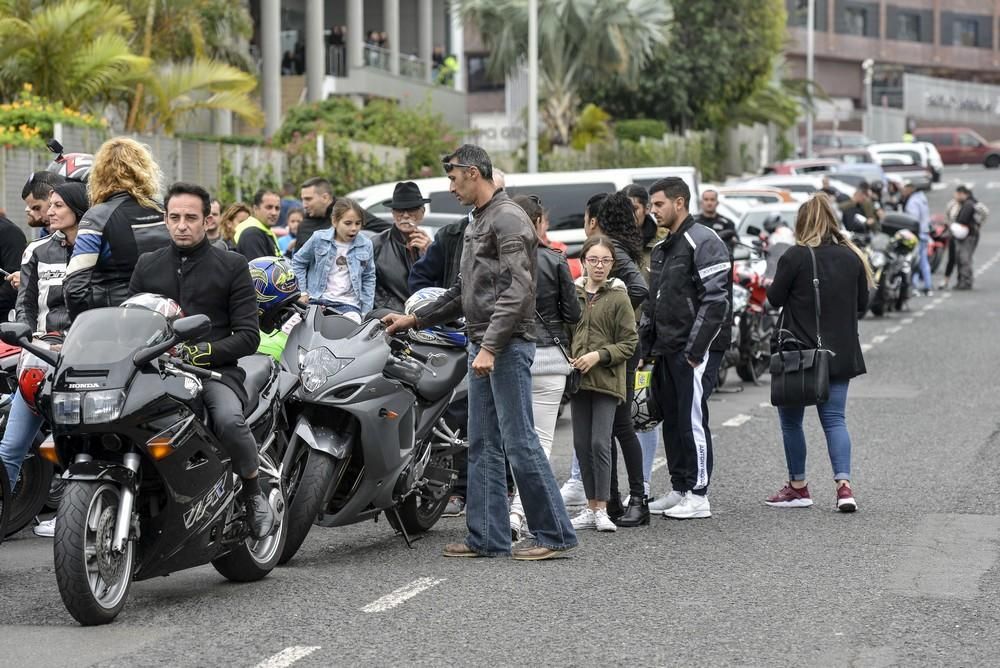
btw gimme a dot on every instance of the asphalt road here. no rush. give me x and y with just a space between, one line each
910 579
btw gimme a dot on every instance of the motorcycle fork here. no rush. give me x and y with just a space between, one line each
124 519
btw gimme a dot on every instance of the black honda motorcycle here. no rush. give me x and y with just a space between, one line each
149 490
370 437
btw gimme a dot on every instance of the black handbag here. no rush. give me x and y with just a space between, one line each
575 375
800 376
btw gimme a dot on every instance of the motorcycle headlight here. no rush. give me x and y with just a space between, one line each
102 406
66 407
319 365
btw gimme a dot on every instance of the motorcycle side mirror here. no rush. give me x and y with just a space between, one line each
741 252
192 328
19 334
14 333
753 230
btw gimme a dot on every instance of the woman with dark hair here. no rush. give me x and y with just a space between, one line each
616 220
557 307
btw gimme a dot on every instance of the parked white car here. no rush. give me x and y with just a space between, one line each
801 186
563 194
924 154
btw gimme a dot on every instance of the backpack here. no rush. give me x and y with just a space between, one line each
982 212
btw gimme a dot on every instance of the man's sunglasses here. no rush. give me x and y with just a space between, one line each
448 166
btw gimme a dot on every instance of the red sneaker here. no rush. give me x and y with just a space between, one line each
845 499
789 497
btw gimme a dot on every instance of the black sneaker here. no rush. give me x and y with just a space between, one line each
261 518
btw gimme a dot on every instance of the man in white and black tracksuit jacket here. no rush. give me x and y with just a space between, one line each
684 334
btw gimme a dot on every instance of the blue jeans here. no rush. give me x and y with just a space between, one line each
501 427
649 440
22 427
924 266
838 441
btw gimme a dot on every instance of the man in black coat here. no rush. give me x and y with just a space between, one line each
317 201
12 245
965 248
206 280
398 248
710 217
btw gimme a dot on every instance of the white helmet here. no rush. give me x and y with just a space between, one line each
451 335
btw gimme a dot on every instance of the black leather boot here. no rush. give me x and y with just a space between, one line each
261 518
615 508
637 513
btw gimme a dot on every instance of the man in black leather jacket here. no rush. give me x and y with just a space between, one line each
317 201
206 280
124 222
398 248
710 217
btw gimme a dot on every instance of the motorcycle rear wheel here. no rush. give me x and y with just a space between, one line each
93 581
309 496
253 559
418 514
30 493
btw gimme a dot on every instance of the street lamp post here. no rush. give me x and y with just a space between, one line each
810 69
532 86
868 66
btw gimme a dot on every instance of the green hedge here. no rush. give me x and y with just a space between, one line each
636 128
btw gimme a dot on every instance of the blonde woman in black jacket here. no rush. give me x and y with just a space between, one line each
844 282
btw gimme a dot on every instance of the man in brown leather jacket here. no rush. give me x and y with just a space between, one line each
496 294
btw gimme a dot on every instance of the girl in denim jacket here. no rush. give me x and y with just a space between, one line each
336 267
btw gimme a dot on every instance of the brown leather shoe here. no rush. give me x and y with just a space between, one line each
459 550
538 553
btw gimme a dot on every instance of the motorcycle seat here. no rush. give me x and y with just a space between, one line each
446 377
258 370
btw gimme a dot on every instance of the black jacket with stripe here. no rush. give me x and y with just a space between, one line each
112 236
40 301
691 295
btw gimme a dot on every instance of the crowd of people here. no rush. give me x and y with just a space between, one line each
655 302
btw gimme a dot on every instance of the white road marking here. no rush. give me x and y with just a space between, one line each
939 186
865 347
879 339
287 657
658 464
893 330
906 321
401 595
919 314
738 420
928 307
992 185
765 404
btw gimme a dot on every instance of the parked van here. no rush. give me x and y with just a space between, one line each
959 146
564 195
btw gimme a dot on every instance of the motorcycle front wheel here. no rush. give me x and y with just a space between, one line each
308 499
93 579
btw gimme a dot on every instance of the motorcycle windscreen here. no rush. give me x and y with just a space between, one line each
110 335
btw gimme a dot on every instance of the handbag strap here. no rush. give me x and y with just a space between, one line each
555 339
819 336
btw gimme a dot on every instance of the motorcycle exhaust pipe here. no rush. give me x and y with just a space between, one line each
124 519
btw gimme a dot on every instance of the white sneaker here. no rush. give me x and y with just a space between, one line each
602 522
691 507
517 527
665 502
586 520
573 494
46 529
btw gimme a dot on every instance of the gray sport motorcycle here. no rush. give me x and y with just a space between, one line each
370 436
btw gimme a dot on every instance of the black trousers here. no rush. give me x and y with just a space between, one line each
623 430
682 394
230 427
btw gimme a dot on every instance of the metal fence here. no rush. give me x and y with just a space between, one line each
200 162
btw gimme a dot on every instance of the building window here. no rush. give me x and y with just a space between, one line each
965 32
856 21
909 27
478 81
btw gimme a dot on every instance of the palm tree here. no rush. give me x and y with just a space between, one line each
177 89
577 40
74 51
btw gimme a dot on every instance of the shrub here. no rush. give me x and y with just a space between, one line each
636 128
700 150
28 121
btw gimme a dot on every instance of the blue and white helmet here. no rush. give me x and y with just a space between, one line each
452 334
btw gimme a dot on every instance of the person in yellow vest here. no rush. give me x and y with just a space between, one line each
254 237
908 137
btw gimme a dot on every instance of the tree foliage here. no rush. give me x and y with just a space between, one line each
719 55
578 41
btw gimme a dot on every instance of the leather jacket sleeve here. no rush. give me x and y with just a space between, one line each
27 296
628 273
712 267
515 282
448 307
243 321
78 286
